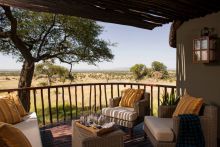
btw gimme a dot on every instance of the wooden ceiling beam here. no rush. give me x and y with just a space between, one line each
140 6
71 7
146 14
131 12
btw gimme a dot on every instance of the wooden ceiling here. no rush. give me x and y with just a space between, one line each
146 14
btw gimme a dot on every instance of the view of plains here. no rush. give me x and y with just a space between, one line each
9 79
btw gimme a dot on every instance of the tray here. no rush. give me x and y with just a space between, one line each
95 131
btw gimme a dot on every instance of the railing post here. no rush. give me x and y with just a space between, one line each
106 101
95 97
151 100
76 101
158 97
111 90
63 98
42 102
82 90
100 97
35 103
90 98
118 90
70 99
50 111
57 107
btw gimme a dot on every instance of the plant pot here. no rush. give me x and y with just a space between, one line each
166 111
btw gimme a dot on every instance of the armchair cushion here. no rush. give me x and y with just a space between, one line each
161 128
123 113
130 97
188 105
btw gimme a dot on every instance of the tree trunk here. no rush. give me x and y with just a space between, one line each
25 80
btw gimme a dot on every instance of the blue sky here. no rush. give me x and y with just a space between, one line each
134 45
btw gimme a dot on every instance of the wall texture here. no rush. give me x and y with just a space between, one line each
200 80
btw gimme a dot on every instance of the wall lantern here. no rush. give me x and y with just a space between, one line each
204 47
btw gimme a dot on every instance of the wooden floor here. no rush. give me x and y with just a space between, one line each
60 136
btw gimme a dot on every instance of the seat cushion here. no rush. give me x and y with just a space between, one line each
123 113
120 122
29 127
188 105
12 137
160 128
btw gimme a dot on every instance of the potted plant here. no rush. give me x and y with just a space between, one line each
168 104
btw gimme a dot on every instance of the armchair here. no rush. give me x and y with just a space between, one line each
126 116
163 131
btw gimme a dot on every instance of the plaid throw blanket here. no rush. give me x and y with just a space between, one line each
190 132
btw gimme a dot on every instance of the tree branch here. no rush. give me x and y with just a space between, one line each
45 36
11 19
15 38
47 56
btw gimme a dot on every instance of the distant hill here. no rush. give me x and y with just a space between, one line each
9 70
123 69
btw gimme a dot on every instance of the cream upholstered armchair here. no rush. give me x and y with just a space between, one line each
127 116
163 130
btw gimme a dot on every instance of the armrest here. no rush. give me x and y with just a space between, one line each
166 111
114 102
142 107
204 121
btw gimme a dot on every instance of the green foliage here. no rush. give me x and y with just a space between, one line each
161 68
169 99
50 70
69 39
139 71
158 66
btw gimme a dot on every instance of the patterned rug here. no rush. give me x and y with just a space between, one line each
60 136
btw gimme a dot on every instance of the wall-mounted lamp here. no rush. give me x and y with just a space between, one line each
204 47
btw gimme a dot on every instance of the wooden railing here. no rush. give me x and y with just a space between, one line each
64 102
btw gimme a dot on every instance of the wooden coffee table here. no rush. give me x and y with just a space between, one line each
84 138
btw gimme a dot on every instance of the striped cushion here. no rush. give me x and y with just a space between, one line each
130 97
8 111
120 122
18 104
188 105
123 113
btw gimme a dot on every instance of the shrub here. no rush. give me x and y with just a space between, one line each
169 99
139 71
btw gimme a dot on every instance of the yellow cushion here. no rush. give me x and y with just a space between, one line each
18 104
188 105
12 137
130 97
8 111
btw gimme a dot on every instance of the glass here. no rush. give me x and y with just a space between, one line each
197 56
204 56
204 44
197 44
